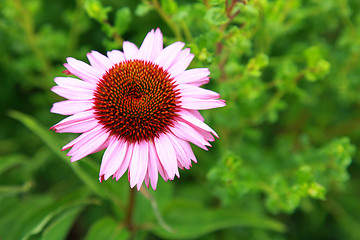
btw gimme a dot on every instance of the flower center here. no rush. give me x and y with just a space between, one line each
136 100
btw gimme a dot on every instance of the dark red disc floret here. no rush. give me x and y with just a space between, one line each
136 100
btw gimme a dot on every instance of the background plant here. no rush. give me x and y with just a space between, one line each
285 166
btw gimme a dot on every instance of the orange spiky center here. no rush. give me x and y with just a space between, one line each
136 100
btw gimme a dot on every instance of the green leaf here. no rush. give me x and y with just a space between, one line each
169 6
13 190
142 9
20 216
122 20
216 16
317 67
231 178
10 161
24 218
58 229
87 171
337 155
217 2
40 219
107 228
256 64
96 10
190 220
317 191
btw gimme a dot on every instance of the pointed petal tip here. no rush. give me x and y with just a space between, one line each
101 178
158 32
67 72
74 159
106 175
64 148
132 186
70 59
93 51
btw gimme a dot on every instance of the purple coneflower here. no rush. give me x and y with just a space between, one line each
141 105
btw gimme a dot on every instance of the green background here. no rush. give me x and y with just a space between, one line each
285 165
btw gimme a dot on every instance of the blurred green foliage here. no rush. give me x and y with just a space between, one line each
285 166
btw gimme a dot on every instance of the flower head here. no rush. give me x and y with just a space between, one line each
141 105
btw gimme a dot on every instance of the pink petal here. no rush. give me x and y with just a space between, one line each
161 170
69 82
195 113
186 132
130 50
166 154
77 123
87 143
145 50
188 117
146 180
188 90
200 104
103 146
158 44
77 143
180 152
189 152
116 56
196 77
151 46
181 62
207 135
168 54
83 70
125 164
138 164
69 107
99 61
82 136
152 166
113 157
73 93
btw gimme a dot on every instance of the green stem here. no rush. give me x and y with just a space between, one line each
273 100
27 24
78 168
155 208
74 31
130 212
206 3
186 31
116 36
167 19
